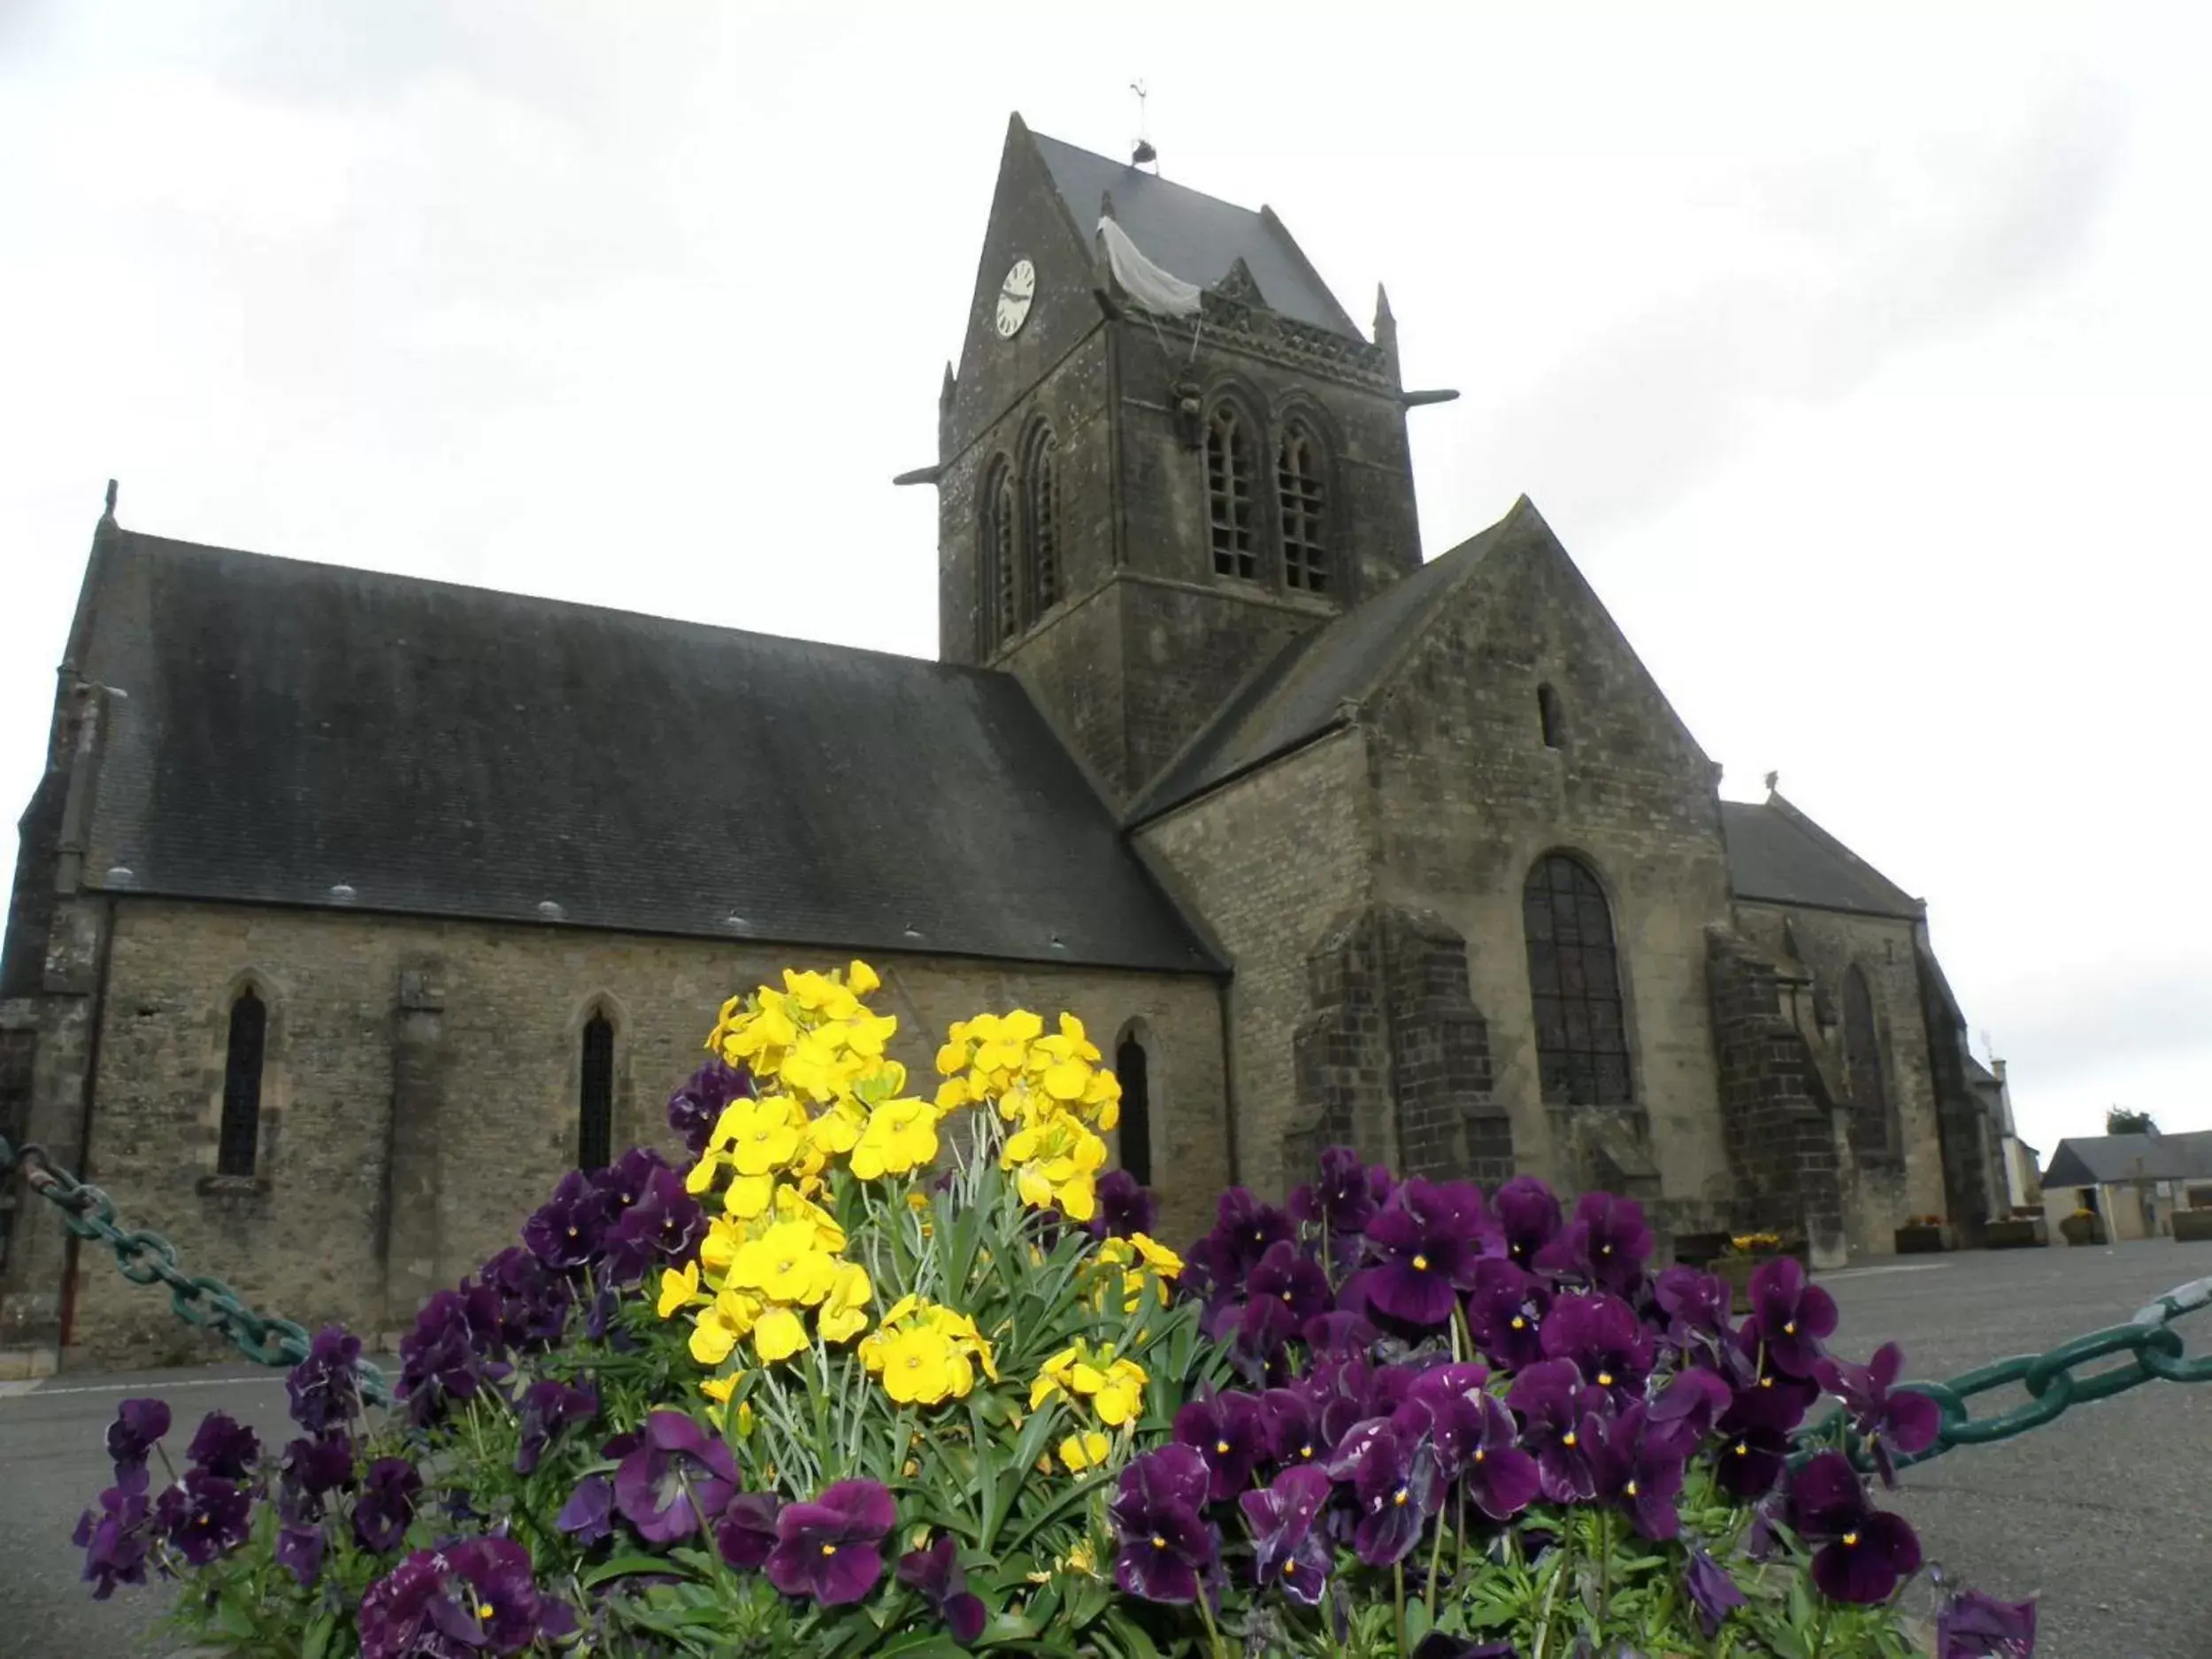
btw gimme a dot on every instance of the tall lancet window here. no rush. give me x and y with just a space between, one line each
1229 494
1299 493
1042 481
595 1130
1001 535
1864 1071
1574 978
1133 1070
238 1141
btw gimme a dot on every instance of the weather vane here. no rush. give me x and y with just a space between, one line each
1143 152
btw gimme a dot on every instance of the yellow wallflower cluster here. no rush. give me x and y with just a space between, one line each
1114 1388
925 1354
1050 1088
1137 1258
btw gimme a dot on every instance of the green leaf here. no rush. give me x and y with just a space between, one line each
623 1567
1131 1635
317 1642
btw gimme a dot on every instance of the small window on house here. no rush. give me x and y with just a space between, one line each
595 1134
1864 1074
1547 715
238 1141
1299 493
1575 982
1003 573
1229 494
1043 491
1133 1069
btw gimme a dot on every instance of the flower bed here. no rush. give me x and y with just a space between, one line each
876 1373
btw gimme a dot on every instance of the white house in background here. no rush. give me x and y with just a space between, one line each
2135 1182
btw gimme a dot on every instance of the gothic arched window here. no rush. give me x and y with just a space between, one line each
238 1141
1042 487
1299 493
1003 573
594 1129
1132 1068
1229 494
1574 976
1863 1071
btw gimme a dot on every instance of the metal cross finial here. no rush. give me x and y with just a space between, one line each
1143 151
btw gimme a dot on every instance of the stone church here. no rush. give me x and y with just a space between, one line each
352 908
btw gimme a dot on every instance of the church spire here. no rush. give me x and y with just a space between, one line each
1386 327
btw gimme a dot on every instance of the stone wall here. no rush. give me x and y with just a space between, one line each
355 1209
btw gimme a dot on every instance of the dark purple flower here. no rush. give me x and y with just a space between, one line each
587 1516
1338 1334
1696 1399
1293 1418
138 1424
1283 1291
745 1534
1901 1423
1505 1313
475 1596
1751 1457
1695 1303
832 1548
206 1516
385 1508
1637 1463
1494 1471
533 1300
1166 1542
448 1356
663 1225
1425 1244
1286 1550
1712 1592
564 1232
224 1446
1246 1227
1790 1316
677 1480
1606 1341
325 1391
1972 1625
548 1406
1864 1552
935 1573
1528 1218
311 1468
1395 1485
1126 1205
1553 1404
113 1539
1344 1198
1606 1244
695 1109
299 1551
1229 1433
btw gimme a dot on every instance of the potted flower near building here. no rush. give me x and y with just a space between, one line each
1746 1254
2084 1226
1924 1235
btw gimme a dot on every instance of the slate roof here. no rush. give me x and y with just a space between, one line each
1303 690
290 728
2093 1160
1192 235
1777 854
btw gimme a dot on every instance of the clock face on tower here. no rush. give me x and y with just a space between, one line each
1014 296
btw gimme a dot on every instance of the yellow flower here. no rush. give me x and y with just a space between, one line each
720 1324
900 1136
861 978
1053 1161
1157 1257
779 1335
679 1289
844 1313
818 992
748 1196
1083 1451
793 1205
918 1365
761 1134
952 1094
785 1265
719 1388
1121 1393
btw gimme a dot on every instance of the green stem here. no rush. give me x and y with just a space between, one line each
1551 1594
1820 1633
1436 1560
1213 1631
1398 1576
1601 1524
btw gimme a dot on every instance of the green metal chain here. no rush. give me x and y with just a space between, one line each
145 1257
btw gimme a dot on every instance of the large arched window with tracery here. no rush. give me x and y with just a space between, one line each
1000 535
1864 1074
1229 497
1301 500
1040 490
1575 981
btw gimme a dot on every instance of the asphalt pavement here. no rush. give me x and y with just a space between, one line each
2107 1514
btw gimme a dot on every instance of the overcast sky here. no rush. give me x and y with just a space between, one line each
1860 357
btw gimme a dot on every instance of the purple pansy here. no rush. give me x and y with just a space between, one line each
312 1468
695 1108
1425 1244
1695 1399
299 1551
385 1508
113 1539
1695 1303
1245 1227
1528 1218
447 1357
1637 1463
1494 1471
1229 1433
1605 1245
548 1406
475 1596
676 1480
1283 1291
936 1575
665 1224
1344 1197
1505 1313
1712 1592
1158 1510
1553 1404
1791 1316
323 1388
564 1232
832 1548
138 1424
1396 1485
1126 1207
224 1446
588 1516
206 1516
1972 1625
1606 1341
1286 1551
745 1534
1891 1423
1864 1551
